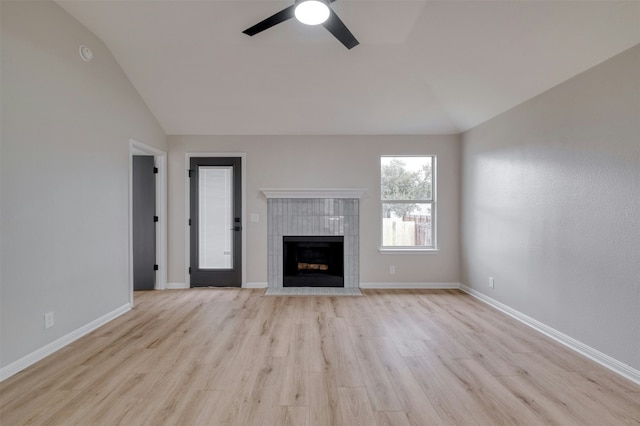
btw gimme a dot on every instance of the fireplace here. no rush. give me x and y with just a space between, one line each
313 261
313 213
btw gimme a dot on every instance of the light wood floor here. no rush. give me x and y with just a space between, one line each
235 357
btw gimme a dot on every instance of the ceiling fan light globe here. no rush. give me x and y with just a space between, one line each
312 12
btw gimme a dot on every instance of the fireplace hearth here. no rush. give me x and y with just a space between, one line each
313 261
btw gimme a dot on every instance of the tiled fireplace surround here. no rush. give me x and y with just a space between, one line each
313 217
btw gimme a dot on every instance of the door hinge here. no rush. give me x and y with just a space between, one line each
155 218
189 172
189 270
156 267
189 222
155 170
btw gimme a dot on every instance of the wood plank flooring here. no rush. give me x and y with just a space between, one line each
393 357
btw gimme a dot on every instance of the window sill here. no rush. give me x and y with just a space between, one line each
390 250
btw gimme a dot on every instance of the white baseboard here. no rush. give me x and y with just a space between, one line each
591 353
254 285
37 355
432 286
176 286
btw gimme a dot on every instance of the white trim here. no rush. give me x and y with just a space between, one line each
401 285
314 192
38 354
187 238
160 160
177 286
434 206
255 285
386 250
603 359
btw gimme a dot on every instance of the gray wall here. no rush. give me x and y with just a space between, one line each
64 176
551 207
327 162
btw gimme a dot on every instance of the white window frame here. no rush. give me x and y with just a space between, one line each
412 249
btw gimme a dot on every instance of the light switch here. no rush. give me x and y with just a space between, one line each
255 217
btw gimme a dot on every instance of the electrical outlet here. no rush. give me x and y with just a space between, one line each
392 269
492 282
48 320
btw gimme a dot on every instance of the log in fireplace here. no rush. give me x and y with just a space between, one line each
313 261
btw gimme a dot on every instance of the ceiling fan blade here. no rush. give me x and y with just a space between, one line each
340 31
272 20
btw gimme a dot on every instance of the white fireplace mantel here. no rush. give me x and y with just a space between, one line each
313 192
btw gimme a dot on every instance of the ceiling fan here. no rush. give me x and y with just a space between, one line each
310 12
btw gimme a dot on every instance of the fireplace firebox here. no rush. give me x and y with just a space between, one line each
313 261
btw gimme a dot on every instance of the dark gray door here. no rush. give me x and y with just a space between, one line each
216 224
144 226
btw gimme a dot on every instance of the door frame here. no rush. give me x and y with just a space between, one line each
160 159
187 210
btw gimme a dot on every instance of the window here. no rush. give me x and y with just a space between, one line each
408 202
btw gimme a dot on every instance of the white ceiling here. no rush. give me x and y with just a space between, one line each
422 67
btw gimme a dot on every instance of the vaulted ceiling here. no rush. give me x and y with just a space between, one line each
422 67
